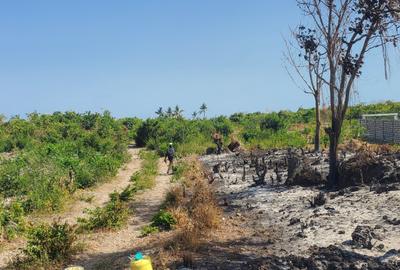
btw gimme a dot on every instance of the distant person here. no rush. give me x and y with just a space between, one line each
170 155
218 141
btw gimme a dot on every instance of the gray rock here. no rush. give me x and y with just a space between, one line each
362 237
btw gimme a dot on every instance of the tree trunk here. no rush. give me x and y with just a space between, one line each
333 163
334 134
317 123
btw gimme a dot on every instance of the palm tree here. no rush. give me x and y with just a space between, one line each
203 109
177 112
194 115
169 112
160 112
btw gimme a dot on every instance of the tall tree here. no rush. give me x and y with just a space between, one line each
177 112
194 115
203 110
310 67
160 112
169 112
349 30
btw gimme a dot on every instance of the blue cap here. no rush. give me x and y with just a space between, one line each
138 256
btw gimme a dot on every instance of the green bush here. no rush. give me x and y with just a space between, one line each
132 125
356 111
48 244
56 154
112 216
188 136
222 125
163 220
12 220
273 122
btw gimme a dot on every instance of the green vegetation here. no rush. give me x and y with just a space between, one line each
356 111
115 213
53 155
45 158
12 220
254 130
131 125
162 221
179 170
264 130
149 229
145 177
48 247
188 136
112 216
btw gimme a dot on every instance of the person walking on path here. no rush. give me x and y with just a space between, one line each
170 154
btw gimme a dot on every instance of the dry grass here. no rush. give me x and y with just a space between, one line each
360 146
191 202
193 205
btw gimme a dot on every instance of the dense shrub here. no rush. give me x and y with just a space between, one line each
222 125
48 247
132 125
188 136
272 121
55 154
112 216
12 220
356 111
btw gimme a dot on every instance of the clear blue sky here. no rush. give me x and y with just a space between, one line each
131 56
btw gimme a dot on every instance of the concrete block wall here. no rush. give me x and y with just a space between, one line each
381 131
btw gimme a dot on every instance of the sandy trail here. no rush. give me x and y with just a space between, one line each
99 195
105 249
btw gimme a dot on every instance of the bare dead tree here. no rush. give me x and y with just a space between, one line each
306 60
349 30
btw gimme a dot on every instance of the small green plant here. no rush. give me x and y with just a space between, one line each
149 229
127 194
163 220
112 216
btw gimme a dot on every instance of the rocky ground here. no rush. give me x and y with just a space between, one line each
305 227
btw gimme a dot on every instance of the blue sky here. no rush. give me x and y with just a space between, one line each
132 56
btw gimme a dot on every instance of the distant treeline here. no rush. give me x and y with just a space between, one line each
45 157
262 130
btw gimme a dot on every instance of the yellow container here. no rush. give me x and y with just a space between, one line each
143 264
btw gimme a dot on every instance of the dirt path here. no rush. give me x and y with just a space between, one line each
98 195
105 250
